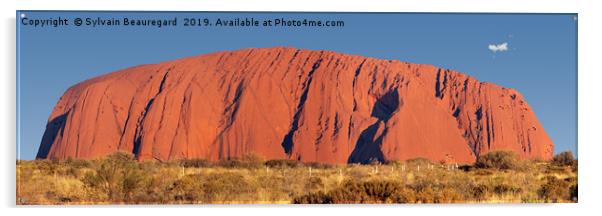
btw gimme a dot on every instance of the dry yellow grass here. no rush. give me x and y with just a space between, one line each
80 182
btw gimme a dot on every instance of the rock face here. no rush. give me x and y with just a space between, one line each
285 103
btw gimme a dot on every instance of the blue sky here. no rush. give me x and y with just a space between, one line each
539 58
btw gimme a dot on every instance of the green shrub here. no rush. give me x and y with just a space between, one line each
483 172
274 187
252 160
189 188
156 187
466 168
574 193
196 163
555 169
349 192
462 184
117 176
77 163
404 195
380 191
438 189
528 198
314 183
394 163
571 180
503 189
503 160
282 163
373 191
48 167
313 198
230 163
132 179
419 162
424 183
447 195
564 159
246 161
425 196
479 192
357 172
227 186
554 190
318 165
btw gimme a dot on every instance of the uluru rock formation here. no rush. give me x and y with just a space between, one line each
286 103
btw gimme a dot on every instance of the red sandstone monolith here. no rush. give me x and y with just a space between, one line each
285 103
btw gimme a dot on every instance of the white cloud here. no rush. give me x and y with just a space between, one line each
498 47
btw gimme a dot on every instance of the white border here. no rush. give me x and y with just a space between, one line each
588 88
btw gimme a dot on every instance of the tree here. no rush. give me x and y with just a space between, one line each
117 176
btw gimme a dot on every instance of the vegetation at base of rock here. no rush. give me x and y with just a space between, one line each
120 179
502 160
564 159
